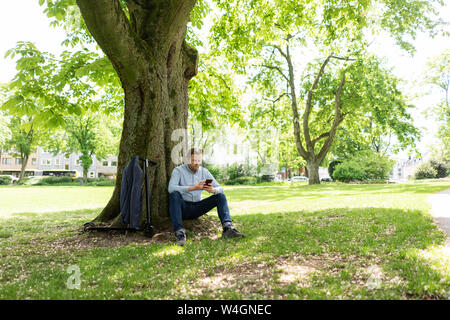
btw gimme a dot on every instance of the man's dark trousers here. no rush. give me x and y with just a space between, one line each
181 209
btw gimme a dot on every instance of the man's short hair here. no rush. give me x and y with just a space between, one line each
196 151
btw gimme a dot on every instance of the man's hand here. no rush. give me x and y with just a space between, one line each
197 186
209 188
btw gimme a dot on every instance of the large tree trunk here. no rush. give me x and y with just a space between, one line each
155 65
313 172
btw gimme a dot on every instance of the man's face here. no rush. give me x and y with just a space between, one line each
196 161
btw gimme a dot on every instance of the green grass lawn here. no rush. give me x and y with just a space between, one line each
330 241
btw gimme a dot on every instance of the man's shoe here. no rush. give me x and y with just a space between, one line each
181 238
231 233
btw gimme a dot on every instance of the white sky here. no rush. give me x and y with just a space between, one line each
24 20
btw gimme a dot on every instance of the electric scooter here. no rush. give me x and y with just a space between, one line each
147 227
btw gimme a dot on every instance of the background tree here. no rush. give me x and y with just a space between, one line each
438 75
89 136
5 133
55 94
23 140
371 101
274 112
267 37
30 118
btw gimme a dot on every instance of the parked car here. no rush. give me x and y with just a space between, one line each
326 179
13 178
299 178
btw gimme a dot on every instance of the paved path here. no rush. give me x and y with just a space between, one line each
440 203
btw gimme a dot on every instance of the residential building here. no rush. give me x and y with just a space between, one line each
10 164
107 167
42 162
404 169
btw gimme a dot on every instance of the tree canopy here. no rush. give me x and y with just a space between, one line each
272 41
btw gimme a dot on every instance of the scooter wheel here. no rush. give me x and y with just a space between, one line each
87 226
149 231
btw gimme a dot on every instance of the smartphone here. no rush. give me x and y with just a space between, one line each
208 182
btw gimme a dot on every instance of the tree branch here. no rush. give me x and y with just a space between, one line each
309 102
161 20
338 118
298 142
342 58
277 69
284 54
274 101
111 29
322 136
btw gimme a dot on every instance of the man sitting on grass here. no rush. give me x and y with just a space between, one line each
185 187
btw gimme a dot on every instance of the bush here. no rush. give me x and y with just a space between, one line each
217 172
54 180
103 183
365 166
425 171
242 180
332 166
28 181
348 170
5 180
24 181
440 167
235 171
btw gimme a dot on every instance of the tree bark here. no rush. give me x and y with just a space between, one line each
154 64
24 160
313 171
85 175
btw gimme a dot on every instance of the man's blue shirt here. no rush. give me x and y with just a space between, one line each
182 178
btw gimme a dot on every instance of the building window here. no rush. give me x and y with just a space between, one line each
33 161
105 163
57 162
46 162
91 174
113 163
6 161
18 161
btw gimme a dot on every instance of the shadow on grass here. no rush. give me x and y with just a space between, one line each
346 240
341 241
